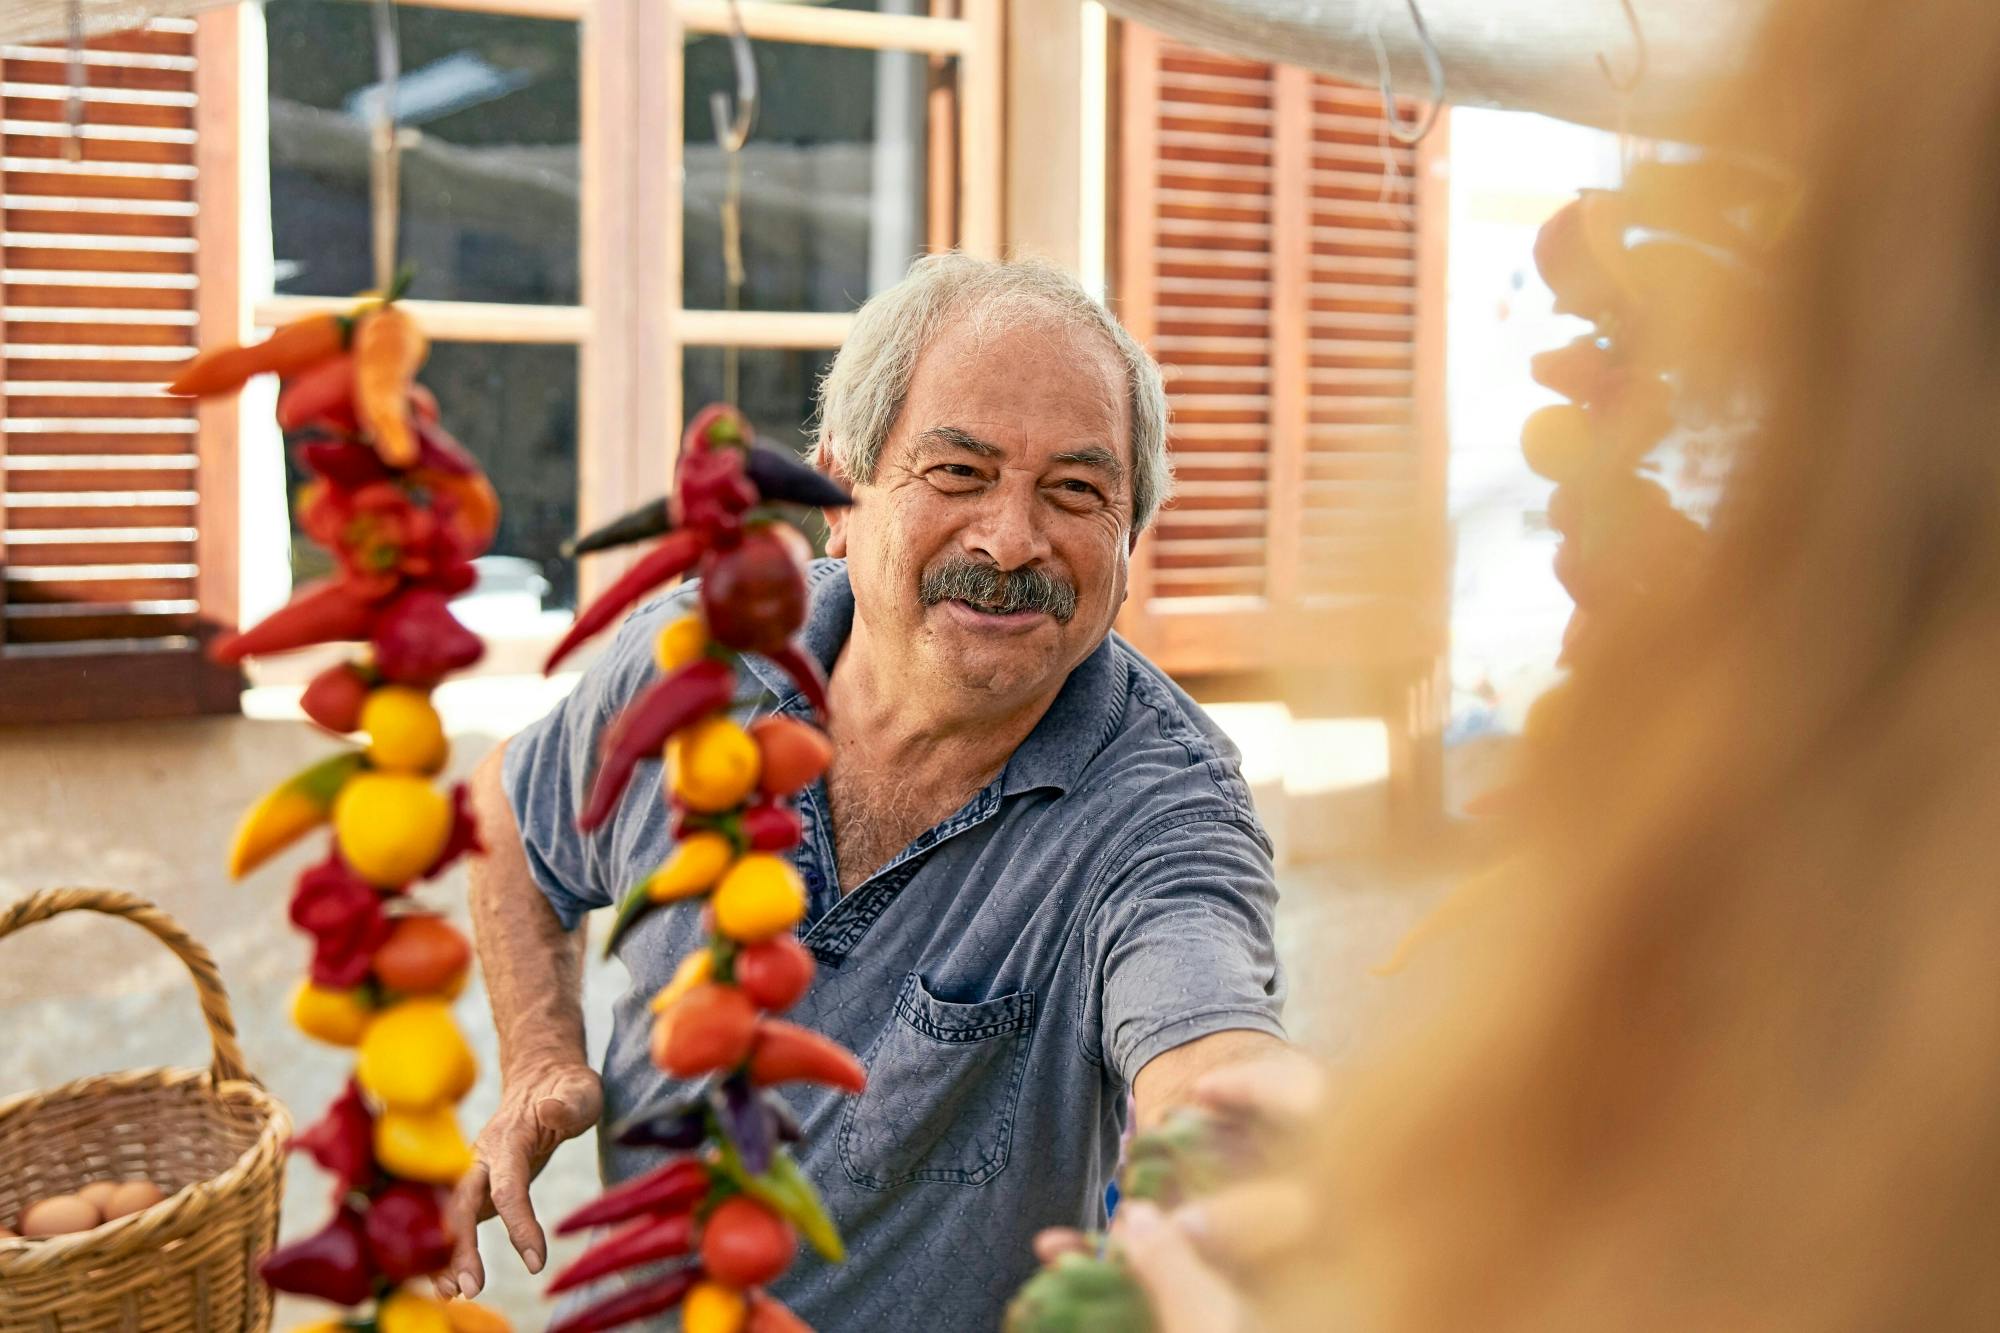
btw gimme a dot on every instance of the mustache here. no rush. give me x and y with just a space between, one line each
990 589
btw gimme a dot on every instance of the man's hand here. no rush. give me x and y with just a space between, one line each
538 1113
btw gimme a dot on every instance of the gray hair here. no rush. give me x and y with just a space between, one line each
864 389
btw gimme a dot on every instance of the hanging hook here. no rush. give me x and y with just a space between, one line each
1640 54
733 131
1433 63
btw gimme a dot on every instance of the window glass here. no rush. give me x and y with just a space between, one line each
775 388
489 109
833 177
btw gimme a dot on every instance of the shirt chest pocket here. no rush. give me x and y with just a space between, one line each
943 1083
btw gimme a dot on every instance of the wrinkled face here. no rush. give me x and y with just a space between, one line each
993 539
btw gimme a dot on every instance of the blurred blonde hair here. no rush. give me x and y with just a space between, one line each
1726 1052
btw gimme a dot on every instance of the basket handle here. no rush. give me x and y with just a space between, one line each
228 1064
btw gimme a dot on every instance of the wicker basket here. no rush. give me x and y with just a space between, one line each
214 1139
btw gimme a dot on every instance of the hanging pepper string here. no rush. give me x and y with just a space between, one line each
385 151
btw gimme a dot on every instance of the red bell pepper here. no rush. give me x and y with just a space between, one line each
646 1241
343 914
418 641
754 595
696 690
674 556
331 1264
679 1184
406 1232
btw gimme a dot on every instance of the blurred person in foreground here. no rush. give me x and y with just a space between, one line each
1720 1046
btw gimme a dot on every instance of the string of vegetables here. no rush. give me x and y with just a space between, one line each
725 1211
1649 265
404 510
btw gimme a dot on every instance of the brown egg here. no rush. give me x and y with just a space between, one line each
60 1216
131 1197
98 1193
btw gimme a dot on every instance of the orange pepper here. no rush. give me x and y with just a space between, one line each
389 349
297 346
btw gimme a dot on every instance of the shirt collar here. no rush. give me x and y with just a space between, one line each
1086 712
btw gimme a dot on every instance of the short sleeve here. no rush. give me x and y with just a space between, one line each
1185 943
548 766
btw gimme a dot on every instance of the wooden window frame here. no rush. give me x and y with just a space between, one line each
631 327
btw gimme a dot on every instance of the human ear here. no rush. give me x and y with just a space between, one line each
836 519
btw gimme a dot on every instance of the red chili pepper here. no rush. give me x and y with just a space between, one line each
787 1053
406 1232
709 1030
330 611
671 558
331 1264
778 475
772 826
768 1314
640 1302
697 689
805 672
343 914
677 1185
342 1141
644 1242
754 595
437 449
418 641
322 395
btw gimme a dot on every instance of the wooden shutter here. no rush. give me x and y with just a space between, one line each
116 502
1295 303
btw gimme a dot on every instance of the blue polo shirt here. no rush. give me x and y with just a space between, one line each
1004 978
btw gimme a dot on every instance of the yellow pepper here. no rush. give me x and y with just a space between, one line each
714 1308
408 1312
696 968
424 1146
290 811
466 1317
391 826
680 643
760 896
712 766
414 1058
337 1017
695 867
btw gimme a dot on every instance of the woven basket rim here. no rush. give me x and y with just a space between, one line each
179 1213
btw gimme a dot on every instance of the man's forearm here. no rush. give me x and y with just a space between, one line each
533 967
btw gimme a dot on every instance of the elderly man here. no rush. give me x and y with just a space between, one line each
1036 881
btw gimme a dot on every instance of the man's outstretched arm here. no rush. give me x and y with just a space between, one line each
548 1092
